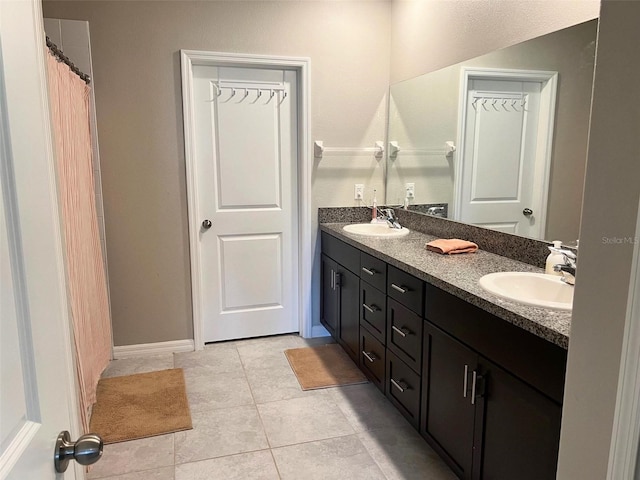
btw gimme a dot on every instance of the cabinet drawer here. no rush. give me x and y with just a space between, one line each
404 334
372 358
406 289
373 271
373 311
343 253
403 388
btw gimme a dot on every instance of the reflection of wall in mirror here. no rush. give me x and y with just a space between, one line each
424 111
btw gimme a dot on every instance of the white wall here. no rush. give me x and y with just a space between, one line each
610 211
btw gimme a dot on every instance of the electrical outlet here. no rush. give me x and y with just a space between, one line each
410 190
358 191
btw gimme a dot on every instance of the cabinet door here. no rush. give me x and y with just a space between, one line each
349 308
447 410
519 428
329 303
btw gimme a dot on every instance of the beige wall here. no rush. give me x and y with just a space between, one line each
430 34
137 83
610 211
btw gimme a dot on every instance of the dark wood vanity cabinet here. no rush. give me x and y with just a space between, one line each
447 411
518 429
329 312
489 421
340 312
486 394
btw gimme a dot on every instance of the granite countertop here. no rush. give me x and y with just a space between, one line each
459 275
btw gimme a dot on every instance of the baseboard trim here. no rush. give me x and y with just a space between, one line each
319 331
146 349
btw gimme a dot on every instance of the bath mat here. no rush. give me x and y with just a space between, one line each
140 406
325 366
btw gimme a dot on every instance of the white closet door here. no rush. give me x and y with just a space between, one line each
500 154
246 148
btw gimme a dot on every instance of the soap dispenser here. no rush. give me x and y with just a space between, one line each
374 209
553 259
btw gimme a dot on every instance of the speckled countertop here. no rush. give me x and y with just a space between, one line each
459 275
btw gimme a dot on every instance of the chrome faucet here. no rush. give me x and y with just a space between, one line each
568 268
389 215
436 211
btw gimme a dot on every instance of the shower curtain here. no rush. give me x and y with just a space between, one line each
87 287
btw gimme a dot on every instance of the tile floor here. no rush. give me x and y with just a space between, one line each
252 421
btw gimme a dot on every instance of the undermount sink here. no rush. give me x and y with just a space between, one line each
536 289
375 230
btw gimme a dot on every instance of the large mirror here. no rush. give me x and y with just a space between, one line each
498 141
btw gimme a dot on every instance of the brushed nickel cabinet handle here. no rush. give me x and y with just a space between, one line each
400 289
473 387
370 356
372 308
465 383
403 332
399 386
370 272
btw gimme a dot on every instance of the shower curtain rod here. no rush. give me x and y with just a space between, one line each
56 52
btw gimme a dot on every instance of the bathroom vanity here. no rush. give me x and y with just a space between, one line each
480 378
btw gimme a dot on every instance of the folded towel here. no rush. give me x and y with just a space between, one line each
451 246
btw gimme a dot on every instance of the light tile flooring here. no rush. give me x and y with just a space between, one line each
252 421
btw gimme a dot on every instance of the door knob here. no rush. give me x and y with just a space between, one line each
527 212
86 451
206 224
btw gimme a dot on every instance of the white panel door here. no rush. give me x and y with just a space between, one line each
499 156
246 158
36 392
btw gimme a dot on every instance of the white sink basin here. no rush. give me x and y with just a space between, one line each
375 230
536 289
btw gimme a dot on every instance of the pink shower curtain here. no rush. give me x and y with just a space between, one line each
87 288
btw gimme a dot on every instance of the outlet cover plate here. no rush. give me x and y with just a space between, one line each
410 190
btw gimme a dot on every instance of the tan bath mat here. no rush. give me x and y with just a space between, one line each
141 405
325 366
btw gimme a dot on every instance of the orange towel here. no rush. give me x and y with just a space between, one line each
451 246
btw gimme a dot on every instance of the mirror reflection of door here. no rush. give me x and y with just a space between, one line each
505 149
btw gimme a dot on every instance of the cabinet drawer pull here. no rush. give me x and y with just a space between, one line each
333 280
466 375
372 308
370 356
403 332
400 289
400 385
370 272
474 380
